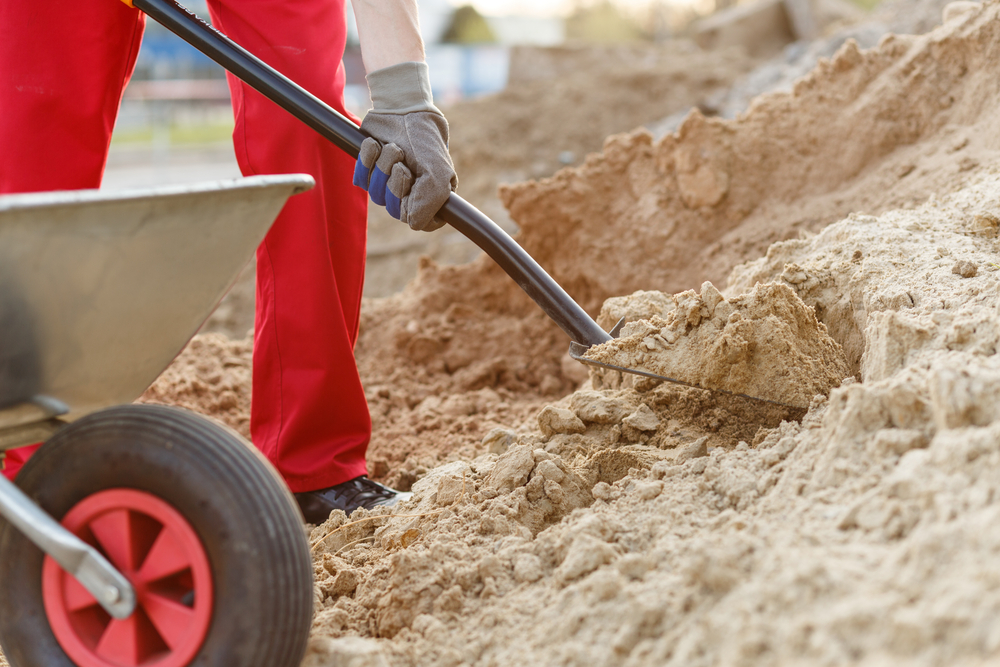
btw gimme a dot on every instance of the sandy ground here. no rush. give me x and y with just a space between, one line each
568 517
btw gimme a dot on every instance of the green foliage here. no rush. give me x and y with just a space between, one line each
206 133
468 27
601 22
866 5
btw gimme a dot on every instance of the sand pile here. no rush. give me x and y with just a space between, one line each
638 525
866 534
867 131
766 343
552 116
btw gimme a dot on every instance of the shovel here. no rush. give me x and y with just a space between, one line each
582 330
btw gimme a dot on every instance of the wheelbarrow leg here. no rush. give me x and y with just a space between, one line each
108 586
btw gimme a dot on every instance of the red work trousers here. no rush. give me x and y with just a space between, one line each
63 67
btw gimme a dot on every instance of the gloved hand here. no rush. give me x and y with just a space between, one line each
405 165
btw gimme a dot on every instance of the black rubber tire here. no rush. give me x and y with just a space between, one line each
244 515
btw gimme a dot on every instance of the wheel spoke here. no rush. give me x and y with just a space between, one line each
156 549
76 596
171 619
113 533
120 642
165 558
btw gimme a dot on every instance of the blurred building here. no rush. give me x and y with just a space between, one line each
163 55
468 54
528 30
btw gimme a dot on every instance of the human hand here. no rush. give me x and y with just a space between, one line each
404 164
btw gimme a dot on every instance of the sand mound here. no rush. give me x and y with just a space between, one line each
639 525
670 215
910 284
766 344
867 131
867 534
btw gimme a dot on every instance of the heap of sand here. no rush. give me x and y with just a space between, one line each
582 524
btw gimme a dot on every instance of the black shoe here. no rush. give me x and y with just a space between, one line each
347 496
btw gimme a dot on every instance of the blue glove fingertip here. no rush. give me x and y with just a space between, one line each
378 186
361 175
392 204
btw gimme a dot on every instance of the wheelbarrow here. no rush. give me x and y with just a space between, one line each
177 543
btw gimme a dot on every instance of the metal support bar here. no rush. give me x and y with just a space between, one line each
108 586
30 422
38 409
29 434
318 115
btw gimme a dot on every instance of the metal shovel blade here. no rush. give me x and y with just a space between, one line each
760 410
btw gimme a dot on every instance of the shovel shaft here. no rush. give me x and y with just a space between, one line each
332 125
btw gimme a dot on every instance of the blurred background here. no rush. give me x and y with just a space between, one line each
529 87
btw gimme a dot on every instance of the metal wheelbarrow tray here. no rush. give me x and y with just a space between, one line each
98 293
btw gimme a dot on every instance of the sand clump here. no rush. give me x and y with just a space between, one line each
766 344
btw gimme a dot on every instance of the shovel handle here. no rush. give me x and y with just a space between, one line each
467 219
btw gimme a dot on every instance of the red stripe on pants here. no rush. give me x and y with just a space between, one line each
62 69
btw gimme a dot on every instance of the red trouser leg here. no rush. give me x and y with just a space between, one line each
63 66
309 414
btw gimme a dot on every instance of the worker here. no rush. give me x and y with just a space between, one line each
63 68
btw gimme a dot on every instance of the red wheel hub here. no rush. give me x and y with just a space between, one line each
160 554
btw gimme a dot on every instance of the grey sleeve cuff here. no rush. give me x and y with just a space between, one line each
401 89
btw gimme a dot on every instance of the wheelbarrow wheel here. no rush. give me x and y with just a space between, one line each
195 518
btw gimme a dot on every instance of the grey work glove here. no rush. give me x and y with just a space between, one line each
404 164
